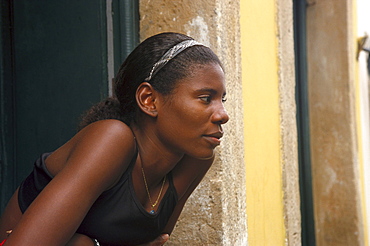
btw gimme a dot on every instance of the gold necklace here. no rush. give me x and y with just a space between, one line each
147 191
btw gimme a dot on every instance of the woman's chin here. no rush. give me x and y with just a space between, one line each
205 156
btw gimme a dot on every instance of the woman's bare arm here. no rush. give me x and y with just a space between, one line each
100 154
187 176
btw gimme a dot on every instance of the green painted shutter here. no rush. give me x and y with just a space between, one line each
305 179
54 67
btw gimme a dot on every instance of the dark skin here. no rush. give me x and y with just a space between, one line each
184 127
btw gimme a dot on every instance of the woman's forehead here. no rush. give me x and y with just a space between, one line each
210 76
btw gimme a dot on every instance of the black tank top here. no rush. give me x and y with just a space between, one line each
117 216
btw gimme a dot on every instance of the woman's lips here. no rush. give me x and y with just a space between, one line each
214 139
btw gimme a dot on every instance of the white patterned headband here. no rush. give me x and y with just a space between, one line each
171 53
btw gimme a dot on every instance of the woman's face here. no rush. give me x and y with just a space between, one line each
190 120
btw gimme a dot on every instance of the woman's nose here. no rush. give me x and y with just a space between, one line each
220 115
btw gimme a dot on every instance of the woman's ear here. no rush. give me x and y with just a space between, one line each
146 99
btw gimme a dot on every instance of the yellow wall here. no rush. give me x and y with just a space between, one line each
265 216
359 125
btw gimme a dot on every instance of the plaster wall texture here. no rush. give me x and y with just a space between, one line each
330 51
288 122
215 213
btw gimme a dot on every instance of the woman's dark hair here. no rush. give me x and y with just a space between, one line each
136 68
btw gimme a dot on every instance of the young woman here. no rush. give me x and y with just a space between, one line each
124 178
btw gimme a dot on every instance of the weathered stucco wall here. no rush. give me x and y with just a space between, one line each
331 58
288 124
215 213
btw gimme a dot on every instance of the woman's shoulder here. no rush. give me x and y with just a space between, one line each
108 130
109 125
108 142
111 135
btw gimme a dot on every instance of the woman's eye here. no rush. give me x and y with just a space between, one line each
206 99
224 99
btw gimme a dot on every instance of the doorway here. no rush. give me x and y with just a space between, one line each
56 61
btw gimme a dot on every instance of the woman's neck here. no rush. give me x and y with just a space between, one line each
156 159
